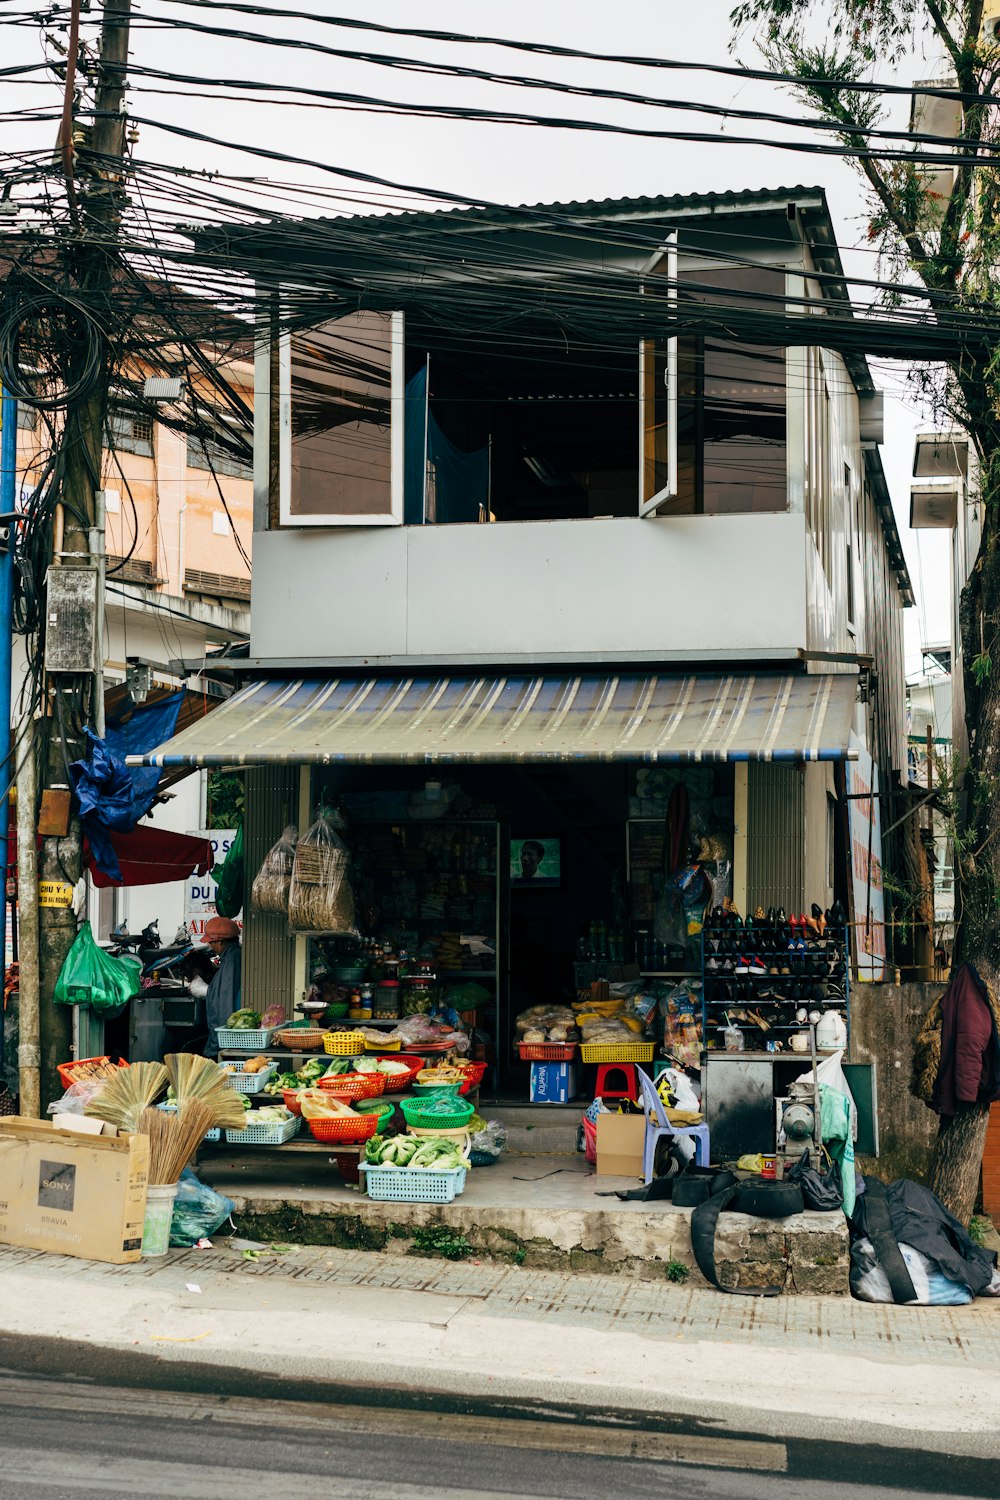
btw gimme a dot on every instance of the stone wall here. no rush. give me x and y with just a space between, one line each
885 1019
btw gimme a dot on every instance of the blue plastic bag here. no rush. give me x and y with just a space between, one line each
198 1211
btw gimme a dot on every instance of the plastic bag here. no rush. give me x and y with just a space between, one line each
229 886
820 1190
421 1030
273 880
491 1141
321 898
869 1283
198 1211
77 1097
90 976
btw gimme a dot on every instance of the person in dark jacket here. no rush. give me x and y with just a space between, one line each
967 1045
223 997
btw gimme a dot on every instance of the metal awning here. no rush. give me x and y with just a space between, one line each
599 716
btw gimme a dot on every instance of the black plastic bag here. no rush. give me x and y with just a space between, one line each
820 1190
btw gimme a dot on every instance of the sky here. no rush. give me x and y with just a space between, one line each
506 163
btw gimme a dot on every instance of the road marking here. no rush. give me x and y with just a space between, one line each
703 1449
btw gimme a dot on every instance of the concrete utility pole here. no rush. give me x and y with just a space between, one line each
98 175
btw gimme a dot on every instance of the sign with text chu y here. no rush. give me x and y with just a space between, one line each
865 827
199 897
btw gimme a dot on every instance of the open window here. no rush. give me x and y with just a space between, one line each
341 432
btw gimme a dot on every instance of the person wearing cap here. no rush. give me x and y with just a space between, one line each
223 994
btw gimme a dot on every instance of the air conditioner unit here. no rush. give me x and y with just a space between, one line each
71 621
991 29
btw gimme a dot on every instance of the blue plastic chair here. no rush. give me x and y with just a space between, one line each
658 1125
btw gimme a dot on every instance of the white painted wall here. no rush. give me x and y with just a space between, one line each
692 587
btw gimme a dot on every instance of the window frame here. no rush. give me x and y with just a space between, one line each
651 505
397 381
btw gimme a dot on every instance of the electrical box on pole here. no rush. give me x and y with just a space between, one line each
72 624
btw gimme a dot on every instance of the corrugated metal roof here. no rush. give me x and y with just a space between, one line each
601 716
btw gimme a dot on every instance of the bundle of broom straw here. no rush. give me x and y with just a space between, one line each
174 1138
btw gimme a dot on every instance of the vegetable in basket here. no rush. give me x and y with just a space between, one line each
243 1020
269 1114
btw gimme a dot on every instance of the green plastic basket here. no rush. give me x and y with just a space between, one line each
381 1107
437 1090
441 1113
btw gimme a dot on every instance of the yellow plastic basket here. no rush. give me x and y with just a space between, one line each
616 1052
383 1046
346 1043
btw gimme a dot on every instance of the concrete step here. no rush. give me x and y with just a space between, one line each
538 1129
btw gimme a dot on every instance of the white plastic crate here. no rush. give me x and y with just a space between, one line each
413 1184
248 1083
246 1041
264 1135
214 1135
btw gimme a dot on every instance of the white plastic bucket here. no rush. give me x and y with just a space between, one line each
159 1212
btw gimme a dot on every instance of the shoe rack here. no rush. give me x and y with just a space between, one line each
771 975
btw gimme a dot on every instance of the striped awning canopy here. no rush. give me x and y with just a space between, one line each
599 716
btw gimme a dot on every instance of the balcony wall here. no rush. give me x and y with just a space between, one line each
692 588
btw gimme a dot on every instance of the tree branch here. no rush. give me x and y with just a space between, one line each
941 27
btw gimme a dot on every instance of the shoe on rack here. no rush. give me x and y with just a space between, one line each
742 965
756 968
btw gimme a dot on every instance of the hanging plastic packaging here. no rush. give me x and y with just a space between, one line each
321 898
274 878
229 887
90 976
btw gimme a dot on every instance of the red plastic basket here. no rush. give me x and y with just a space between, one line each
345 1128
354 1085
348 1165
476 1072
398 1083
66 1071
547 1051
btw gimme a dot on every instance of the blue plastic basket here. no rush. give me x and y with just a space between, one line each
413 1185
214 1135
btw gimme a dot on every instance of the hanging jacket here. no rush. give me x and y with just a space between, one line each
969 1069
223 995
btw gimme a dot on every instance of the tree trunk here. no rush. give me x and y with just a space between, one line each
958 1157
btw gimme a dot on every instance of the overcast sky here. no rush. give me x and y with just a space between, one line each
516 164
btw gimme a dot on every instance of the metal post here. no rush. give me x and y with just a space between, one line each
8 493
29 1009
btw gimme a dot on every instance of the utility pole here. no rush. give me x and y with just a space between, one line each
95 180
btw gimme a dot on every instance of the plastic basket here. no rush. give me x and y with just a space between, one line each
354 1085
424 1115
353 1128
248 1083
301 1038
547 1051
246 1041
213 1135
68 1070
435 1090
614 1052
399 1083
475 1073
383 1046
382 1109
349 1167
402 1185
264 1135
343 1043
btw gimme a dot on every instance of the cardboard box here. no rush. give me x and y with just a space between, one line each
72 1194
83 1125
552 1082
620 1140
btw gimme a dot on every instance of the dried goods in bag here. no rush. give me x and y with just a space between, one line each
321 898
273 880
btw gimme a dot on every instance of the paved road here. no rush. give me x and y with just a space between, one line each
73 1438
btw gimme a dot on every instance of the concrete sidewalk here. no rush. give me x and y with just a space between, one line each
476 1329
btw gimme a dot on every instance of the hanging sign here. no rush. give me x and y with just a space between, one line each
199 895
55 893
865 825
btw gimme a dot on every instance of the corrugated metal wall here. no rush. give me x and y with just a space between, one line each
268 950
775 836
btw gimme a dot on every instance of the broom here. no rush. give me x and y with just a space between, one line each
124 1097
198 1079
173 1139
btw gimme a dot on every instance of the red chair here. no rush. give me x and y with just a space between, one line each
607 1071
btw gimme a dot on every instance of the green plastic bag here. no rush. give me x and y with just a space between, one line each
229 887
90 976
